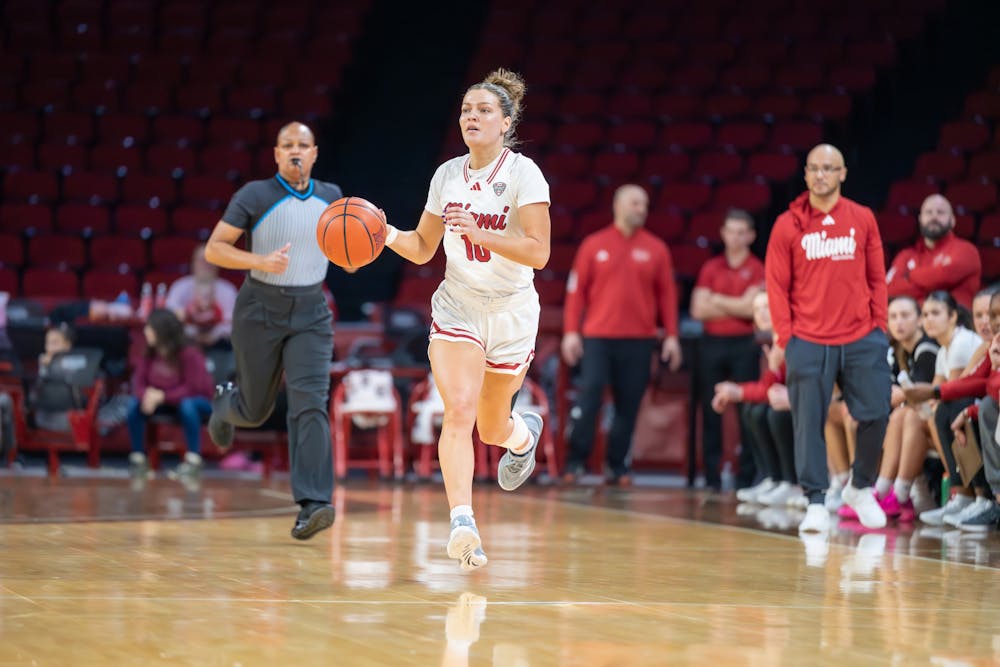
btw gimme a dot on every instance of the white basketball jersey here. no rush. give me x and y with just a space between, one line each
493 195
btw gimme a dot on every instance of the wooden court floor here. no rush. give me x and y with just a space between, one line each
95 572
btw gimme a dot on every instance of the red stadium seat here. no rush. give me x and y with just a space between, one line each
118 160
151 191
561 258
148 97
941 166
114 252
668 226
83 219
56 251
989 231
615 168
964 136
907 196
579 136
9 281
774 167
311 104
581 106
574 196
718 166
983 106
972 196
625 106
25 218
778 107
199 99
828 106
66 127
749 195
688 260
852 79
50 283
687 136
897 228
634 135
692 78
224 161
172 253
96 97
45 95
193 221
20 127
140 221
123 129
746 76
567 166
664 167
984 166
62 157
19 157
677 106
211 191
687 197
741 136
167 160
990 258
178 130
32 187
91 187
727 105
253 101
800 78
237 132
796 136
11 251
107 285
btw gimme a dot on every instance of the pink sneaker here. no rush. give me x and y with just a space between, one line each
907 514
890 505
845 511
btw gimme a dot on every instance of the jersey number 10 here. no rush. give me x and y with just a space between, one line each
475 253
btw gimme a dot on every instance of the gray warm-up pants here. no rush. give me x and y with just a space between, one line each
286 329
862 371
988 414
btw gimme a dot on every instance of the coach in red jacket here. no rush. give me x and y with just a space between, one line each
620 289
826 289
939 260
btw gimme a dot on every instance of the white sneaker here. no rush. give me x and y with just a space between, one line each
779 495
751 493
862 501
954 506
972 509
817 520
464 544
799 502
834 498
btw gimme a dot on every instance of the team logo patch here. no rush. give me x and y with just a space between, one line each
499 187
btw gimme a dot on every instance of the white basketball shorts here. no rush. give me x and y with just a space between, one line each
504 327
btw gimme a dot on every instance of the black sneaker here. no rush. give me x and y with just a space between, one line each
313 517
219 430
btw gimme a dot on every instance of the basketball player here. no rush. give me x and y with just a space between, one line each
491 208
281 321
826 289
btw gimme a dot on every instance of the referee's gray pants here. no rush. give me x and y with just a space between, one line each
286 329
862 371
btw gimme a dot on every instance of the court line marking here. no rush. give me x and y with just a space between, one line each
524 498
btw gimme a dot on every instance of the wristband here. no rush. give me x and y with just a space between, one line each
391 234
937 392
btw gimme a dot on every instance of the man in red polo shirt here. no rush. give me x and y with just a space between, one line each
620 289
939 260
827 293
723 300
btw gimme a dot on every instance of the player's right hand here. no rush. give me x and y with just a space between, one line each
572 348
275 262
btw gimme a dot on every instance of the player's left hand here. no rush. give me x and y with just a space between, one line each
671 352
460 221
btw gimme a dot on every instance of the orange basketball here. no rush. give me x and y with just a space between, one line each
351 232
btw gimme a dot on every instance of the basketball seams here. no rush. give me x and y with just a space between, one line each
349 211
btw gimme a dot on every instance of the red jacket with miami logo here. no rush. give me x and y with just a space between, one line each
953 264
826 273
621 287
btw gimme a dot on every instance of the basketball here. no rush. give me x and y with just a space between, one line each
351 232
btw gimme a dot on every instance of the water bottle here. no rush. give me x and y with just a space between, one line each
146 301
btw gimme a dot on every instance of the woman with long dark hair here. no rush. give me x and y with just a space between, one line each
170 378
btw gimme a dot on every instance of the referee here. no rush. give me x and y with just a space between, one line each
281 321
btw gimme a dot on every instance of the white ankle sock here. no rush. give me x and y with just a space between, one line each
839 480
519 440
882 486
461 510
192 458
902 489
